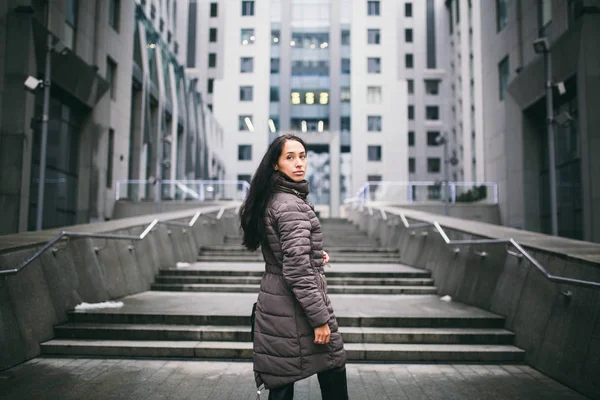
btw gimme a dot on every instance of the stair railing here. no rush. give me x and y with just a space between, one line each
68 234
520 253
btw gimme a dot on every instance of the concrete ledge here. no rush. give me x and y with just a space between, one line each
90 270
560 335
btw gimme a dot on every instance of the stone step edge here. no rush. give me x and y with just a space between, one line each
335 287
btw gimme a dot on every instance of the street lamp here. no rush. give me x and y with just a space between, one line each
541 46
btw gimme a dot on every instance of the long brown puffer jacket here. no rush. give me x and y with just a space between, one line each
293 294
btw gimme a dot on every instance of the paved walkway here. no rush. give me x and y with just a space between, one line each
83 378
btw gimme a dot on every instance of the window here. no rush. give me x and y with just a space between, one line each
501 14
345 37
243 178
374 153
411 112
345 65
246 65
457 11
209 106
432 138
409 61
374 65
374 123
503 75
247 8
114 14
374 94
111 77
431 51
411 165
309 124
274 65
274 94
345 95
246 93
411 138
544 16
214 9
71 13
432 113
432 86
211 84
345 124
373 7
410 85
212 60
310 68
245 123
373 36
247 36
274 122
275 36
408 10
433 165
245 152
408 35
109 158
212 34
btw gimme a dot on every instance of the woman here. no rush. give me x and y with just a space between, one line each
295 330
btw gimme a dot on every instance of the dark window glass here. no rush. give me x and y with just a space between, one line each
373 7
411 112
275 36
432 113
274 65
408 10
345 65
408 35
433 165
246 93
214 9
501 14
373 36
310 68
247 7
432 86
544 17
374 65
374 153
245 123
409 61
191 44
309 124
114 14
345 95
503 75
432 138
410 84
111 77
212 60
345 37
374 123
245 152
274 94
246 64
244 178
411 165
345 124
212 35
431 53
109 158
411 138
247 36
211 84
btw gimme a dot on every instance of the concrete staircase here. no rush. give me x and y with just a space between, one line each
386 311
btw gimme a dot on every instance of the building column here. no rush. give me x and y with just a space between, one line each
334 175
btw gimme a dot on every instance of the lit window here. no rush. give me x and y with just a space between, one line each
324 98
309 98
295 97
247 36
245 123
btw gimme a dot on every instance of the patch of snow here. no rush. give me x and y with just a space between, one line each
446 298
95 306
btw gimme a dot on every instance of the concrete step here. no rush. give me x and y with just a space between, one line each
243 350
120 317
156 332
235 249
334 259
255 280
332 289
330 273
238 252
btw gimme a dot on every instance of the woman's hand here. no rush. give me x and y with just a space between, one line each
325 258
322 334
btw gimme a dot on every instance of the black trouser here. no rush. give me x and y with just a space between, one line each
334 386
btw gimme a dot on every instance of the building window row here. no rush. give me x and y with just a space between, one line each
433 165
432 113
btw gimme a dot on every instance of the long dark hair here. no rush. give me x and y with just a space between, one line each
252 211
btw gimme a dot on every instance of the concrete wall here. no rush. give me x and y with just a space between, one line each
126 209
489 213
561 336
37 298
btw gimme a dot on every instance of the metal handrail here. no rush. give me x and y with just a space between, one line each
510 241
67 234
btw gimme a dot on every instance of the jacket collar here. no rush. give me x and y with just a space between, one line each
285 184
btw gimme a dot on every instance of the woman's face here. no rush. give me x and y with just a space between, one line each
292 160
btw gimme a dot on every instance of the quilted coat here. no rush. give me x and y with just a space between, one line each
293 293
